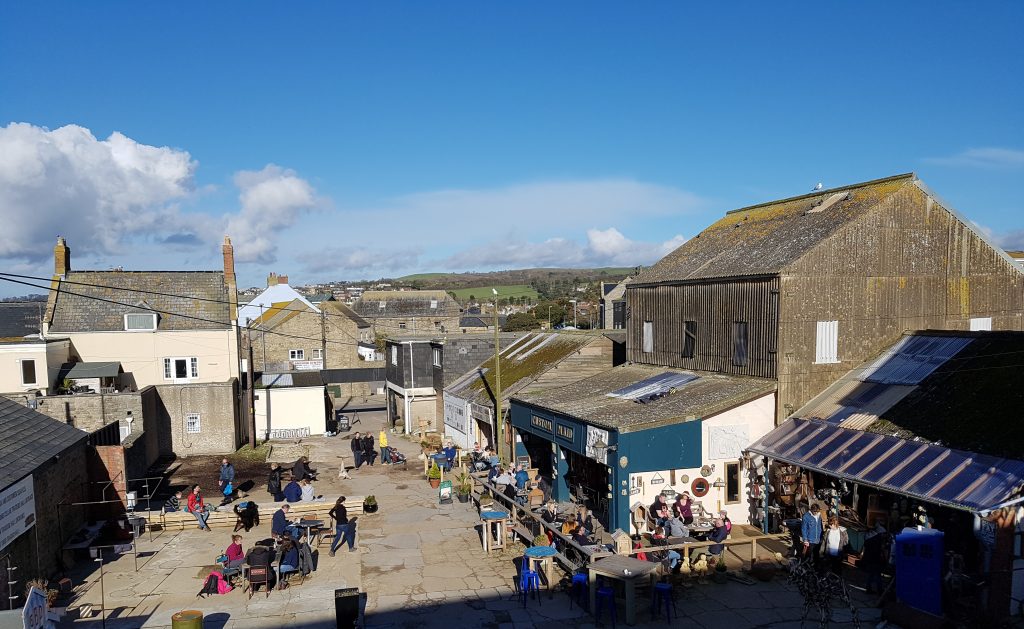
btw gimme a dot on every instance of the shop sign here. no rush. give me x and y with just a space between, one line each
985 531
541 422
455 415
565 432
593 436
17 510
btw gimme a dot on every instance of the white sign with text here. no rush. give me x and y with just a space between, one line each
17 510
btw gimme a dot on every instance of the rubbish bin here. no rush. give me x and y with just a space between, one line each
346 608
187 619
344 424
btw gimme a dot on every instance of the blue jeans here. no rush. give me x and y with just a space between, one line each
673 559
384 458
344 533
201 517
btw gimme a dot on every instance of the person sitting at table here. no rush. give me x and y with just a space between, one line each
308 493
725 519
585 518
502 479
289 554
660 510
197 508
677 528
259 557
478 458
670 556
450 454
293 491
569 525
280 525
173 503
718 534
492 458
579 535
683 508
234 553
522 478
550 513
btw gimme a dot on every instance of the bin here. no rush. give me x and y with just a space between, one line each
187 619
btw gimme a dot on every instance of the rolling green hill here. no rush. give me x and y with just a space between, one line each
484 292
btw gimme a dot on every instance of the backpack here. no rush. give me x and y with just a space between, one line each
210 586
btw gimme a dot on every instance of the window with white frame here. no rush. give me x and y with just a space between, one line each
28 372
826 345
140 322
394 354
981 324
192 423
401 325
318 354
181 368
437 356
433 304
296 354
648 339
381 305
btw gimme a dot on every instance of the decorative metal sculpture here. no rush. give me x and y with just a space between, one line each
818 589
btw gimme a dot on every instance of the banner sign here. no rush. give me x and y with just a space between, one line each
17 510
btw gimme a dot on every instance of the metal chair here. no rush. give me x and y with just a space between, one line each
663 595
529 582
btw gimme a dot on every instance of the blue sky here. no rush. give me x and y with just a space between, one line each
337 141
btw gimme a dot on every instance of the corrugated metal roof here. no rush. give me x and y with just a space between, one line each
913 358
928 472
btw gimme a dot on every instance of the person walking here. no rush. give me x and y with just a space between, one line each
357 450
810 531
227 480
369 452
834 542
344 531
382 441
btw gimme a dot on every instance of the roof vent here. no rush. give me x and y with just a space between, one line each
828 202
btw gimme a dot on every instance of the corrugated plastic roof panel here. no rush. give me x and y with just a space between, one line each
931 473
655 385
914 358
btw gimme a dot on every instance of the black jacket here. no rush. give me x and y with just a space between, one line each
274 482
339 513
357 444
368 444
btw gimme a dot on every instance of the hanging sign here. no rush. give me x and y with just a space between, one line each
657 480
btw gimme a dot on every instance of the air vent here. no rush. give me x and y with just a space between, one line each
828 202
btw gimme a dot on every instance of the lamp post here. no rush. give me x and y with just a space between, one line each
549 317
497 378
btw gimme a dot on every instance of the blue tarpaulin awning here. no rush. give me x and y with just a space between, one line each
926 471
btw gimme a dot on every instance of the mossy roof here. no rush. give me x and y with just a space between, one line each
764 239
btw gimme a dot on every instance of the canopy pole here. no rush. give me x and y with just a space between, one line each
766 493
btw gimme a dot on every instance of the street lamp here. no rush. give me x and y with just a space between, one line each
497 378
602 449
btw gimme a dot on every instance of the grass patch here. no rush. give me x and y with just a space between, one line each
421 276
504 292
257 455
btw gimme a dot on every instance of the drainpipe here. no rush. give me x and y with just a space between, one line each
412 385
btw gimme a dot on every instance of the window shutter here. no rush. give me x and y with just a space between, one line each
981 324
648 339
826 343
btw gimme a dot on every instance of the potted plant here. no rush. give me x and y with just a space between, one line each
463 486
721 574
434 475
541 540
370 504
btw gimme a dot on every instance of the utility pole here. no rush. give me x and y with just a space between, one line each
252 392
497 378
323 338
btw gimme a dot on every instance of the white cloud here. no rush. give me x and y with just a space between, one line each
992 158
272 199
100 192
359 259
608 247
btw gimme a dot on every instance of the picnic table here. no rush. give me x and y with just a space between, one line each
622 568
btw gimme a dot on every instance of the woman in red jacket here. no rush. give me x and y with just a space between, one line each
197 508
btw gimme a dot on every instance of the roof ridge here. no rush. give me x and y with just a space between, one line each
911 175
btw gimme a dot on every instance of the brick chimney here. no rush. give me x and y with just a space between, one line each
61 257
282 279
272 279
229 275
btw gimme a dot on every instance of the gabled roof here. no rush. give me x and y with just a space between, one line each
95 301
338 308
321 297
406 303
276 294
702 395
764 239
29 439
20 319
481 321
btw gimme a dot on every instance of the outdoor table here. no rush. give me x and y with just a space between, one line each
701 531
309 525
615 567
672 541
493 529
543 556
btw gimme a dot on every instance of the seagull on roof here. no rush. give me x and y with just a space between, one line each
817 187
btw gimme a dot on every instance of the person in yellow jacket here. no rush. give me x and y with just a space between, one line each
382 439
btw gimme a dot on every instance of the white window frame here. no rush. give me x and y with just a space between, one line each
981 324
317 354
381 305
433 304
35 372
402 325
191 368
648 337
826 342
152 318
296 354
437 357
193 423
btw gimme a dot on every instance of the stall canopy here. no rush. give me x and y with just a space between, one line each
928 472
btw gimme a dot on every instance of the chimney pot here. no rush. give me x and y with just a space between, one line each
61 257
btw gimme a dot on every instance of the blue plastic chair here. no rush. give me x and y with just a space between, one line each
662 595
529 582
578 589
606 594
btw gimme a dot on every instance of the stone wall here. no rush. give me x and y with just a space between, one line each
304 331
219 420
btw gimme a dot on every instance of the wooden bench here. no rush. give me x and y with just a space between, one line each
226 517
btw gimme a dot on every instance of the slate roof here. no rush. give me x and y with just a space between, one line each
29 439
707 395
338 308
764 239
86 306
407 303
960 389
20 319
481 321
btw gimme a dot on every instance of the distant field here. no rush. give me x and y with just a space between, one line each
421 276
483 292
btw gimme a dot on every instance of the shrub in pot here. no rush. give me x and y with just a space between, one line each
370 504
434 475
463 487
721 574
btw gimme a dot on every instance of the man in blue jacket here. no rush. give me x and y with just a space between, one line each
292 491
280 525
810 530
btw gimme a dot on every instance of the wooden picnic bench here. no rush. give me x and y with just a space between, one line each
226 517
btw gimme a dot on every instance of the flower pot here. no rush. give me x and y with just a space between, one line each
370 508
435 482
720 576
463 497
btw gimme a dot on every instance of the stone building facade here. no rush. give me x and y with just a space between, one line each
409 312
296 336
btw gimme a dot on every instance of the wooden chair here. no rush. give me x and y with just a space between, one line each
255 576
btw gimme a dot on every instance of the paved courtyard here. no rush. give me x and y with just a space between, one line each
419 563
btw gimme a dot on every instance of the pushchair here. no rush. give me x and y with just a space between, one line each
394 456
